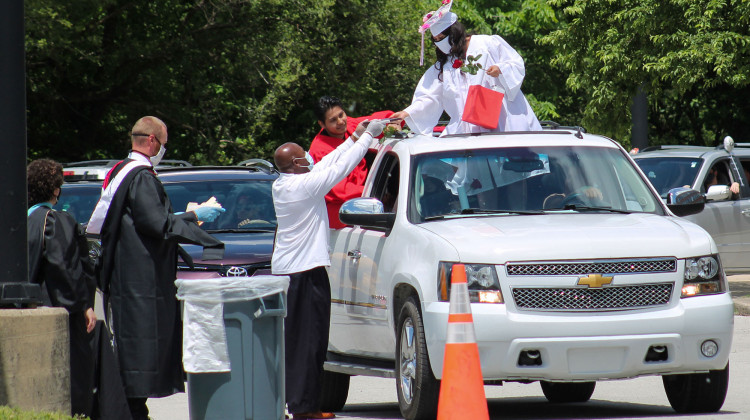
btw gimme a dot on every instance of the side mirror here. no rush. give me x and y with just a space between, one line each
685 201
718 193
366 212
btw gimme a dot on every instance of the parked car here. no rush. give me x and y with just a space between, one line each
726 215
96 170
247 227
577 271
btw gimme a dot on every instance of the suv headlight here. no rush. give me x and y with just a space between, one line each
481 279
703 276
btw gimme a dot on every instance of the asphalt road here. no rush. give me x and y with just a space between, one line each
375 398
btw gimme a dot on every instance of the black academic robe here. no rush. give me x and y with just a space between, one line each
140 237
58 260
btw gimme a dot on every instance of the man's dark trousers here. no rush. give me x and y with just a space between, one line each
306 338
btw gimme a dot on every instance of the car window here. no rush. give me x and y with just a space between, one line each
79 200
718 174
385 187
523 179
248 204
666 173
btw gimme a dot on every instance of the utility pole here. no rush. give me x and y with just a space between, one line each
639 112
15 289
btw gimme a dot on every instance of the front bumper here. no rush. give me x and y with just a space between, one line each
591 345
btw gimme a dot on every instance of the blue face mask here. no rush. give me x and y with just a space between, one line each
309 160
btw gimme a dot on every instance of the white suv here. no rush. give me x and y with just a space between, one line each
578 272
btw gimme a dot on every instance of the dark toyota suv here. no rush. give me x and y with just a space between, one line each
247 227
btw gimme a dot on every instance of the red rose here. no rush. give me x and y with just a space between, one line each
457 64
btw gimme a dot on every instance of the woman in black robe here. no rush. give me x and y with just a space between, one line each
58 260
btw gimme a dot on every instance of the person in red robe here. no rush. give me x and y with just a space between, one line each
335 127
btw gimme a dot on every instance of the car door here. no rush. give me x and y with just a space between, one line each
359 276
728 221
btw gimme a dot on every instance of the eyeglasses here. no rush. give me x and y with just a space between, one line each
146 135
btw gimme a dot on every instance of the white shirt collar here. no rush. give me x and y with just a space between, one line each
139 157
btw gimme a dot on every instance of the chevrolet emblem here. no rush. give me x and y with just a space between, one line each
594 280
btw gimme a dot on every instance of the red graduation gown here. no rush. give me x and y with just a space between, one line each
351 186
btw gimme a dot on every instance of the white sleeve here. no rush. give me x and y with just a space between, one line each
427 104
333 156
512 70
320 180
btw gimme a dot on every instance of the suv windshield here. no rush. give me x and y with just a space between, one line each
248 205
527 180
666 173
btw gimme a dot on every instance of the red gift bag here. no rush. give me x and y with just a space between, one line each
483 106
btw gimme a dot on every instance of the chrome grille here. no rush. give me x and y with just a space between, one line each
588 267
582 299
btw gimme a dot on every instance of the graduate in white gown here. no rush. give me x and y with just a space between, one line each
444 87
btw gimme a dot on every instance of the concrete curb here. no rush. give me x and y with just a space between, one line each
741 306
739 285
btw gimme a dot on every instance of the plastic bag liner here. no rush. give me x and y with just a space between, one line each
204 341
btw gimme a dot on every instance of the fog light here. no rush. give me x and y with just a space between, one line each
709 348
530 358
657 353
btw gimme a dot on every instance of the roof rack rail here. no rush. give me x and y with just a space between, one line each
552 125
260 164
95 162
174 162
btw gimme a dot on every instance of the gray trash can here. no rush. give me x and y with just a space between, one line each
253 388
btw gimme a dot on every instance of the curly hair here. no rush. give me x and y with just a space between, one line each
42 177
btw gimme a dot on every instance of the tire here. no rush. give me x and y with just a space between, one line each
334 391
697 392
567 392
418 390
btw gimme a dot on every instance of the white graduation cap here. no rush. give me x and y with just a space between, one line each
436 21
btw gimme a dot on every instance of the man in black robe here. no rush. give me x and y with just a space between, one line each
140 236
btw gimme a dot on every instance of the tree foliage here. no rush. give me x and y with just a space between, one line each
692 57
231 78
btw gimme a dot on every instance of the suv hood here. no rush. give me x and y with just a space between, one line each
499 239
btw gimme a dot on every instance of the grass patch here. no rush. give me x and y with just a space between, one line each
10 413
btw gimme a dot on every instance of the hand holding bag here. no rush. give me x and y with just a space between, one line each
483 106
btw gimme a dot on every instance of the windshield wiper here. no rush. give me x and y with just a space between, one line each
239 230
592 208
472 210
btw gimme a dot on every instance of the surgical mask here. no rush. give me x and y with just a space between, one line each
156 159
444 45
309 160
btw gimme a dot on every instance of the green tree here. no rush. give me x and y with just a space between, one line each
231 78
692 57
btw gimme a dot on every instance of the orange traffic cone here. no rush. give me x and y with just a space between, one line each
462 387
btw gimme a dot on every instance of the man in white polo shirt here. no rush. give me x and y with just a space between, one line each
301 252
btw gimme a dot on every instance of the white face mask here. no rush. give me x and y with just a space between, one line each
444 45
309 160
156 159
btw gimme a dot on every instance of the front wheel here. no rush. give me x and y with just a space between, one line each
567 392
697 392
416 386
